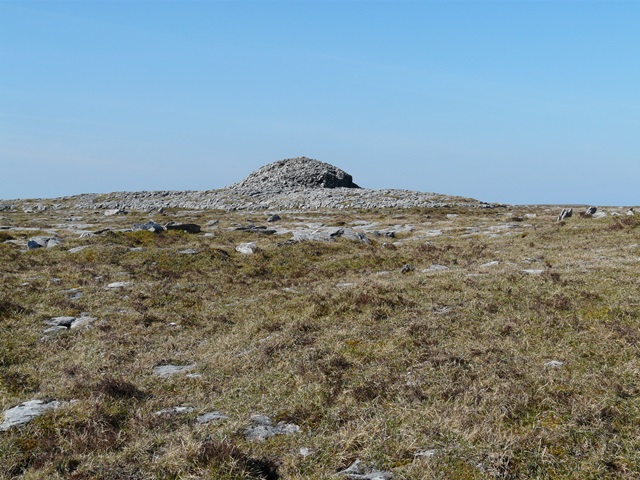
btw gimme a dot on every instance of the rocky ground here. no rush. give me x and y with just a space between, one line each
455 342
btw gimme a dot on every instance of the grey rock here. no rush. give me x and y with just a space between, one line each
118 284
426 453
261 428
589 212
565 213
179 410
62 324
188 251
327 234
554 364
490 264
185 227
165 371
361 471
436 268
77 249
387 234
151 226
44 242
114 211
25 412
298 172
407 268
247 248
255 229
533 271
274 218
60 321
211 417
631 212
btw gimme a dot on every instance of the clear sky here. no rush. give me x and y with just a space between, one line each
510 101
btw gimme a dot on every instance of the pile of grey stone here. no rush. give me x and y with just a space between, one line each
291 184
296 172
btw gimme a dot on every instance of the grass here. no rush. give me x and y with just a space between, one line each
371 363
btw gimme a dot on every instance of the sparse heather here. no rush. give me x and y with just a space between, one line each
517 360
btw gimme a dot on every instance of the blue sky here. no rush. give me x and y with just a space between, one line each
515 102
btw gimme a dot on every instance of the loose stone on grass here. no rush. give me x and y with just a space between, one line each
78 249
43 242
118 285
27 411
362 471
554 364
63 324
214 416
184 227
179 410
165 371
261 427
247 248
436 268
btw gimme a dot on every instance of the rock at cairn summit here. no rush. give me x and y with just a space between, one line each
299 172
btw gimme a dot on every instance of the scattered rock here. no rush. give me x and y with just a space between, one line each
589 212
43 242
78 249
255 229
565 213
211 417
185 227
305 452
118 285
62 324
261 428
631 212
247 248
27 411
151 226
328 234
436 268
165 371
387 234
554 364
114 211
533 271
174 411
188 251
362 471
274 218
297 172
406 268
74 293
490 264
426 453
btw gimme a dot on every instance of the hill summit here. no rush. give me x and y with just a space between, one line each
299 172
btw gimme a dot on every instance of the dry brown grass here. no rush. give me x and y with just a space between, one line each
379 369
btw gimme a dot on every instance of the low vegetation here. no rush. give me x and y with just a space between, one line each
520 360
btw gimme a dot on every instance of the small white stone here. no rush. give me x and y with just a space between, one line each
554 364
247 248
